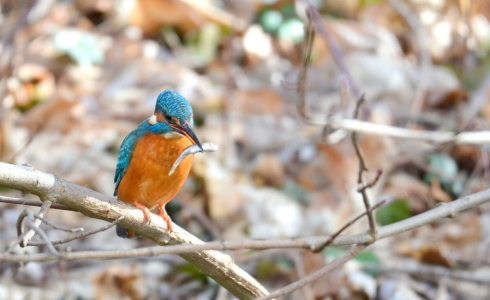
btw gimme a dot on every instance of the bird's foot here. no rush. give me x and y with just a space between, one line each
146 211
165 217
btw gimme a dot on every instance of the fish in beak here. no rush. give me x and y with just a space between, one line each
186 130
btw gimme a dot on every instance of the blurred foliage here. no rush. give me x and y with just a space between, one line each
282 23
393 212
81 46
270 268
192 271
367 257
444 168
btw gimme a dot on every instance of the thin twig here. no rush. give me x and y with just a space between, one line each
62 228
110 225
320 247
314 276
37 203
28 218
43 236
372 182
440 137
28 235
313 14
20 235
362 163
303 72
360 181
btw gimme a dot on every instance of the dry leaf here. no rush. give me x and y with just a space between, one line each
432 253
438 193
120 282
269 171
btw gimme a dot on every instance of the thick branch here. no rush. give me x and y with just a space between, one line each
214 264
439 212
103 207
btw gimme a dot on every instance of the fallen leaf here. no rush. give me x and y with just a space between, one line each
120 282
437 192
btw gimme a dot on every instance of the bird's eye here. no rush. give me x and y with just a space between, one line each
169 118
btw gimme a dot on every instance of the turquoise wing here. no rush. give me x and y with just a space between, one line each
126 152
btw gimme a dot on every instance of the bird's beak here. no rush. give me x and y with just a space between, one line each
186 129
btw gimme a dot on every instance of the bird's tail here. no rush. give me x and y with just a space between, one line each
126 234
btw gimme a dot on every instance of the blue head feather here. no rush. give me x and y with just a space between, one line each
174 105
170 104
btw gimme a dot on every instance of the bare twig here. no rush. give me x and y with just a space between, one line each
314 276
28 218
114 223
360 181
21 201
313 14
62 228
20 235
303 72
332 238
44 237
29 234
440 137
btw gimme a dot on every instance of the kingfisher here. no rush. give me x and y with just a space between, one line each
148 153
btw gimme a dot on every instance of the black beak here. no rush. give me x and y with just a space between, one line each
186 129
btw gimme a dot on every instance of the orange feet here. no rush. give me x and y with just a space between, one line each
145 209
164 215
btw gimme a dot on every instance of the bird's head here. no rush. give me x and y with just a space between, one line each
173 113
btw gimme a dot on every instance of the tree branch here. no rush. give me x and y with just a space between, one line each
211 263
363 168
441 137
214 264
37 203
110 225
26 237
137 224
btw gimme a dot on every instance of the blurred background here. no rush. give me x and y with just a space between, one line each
77 76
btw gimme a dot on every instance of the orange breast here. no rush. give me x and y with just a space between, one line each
146 179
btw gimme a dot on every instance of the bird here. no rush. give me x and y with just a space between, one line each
147 154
